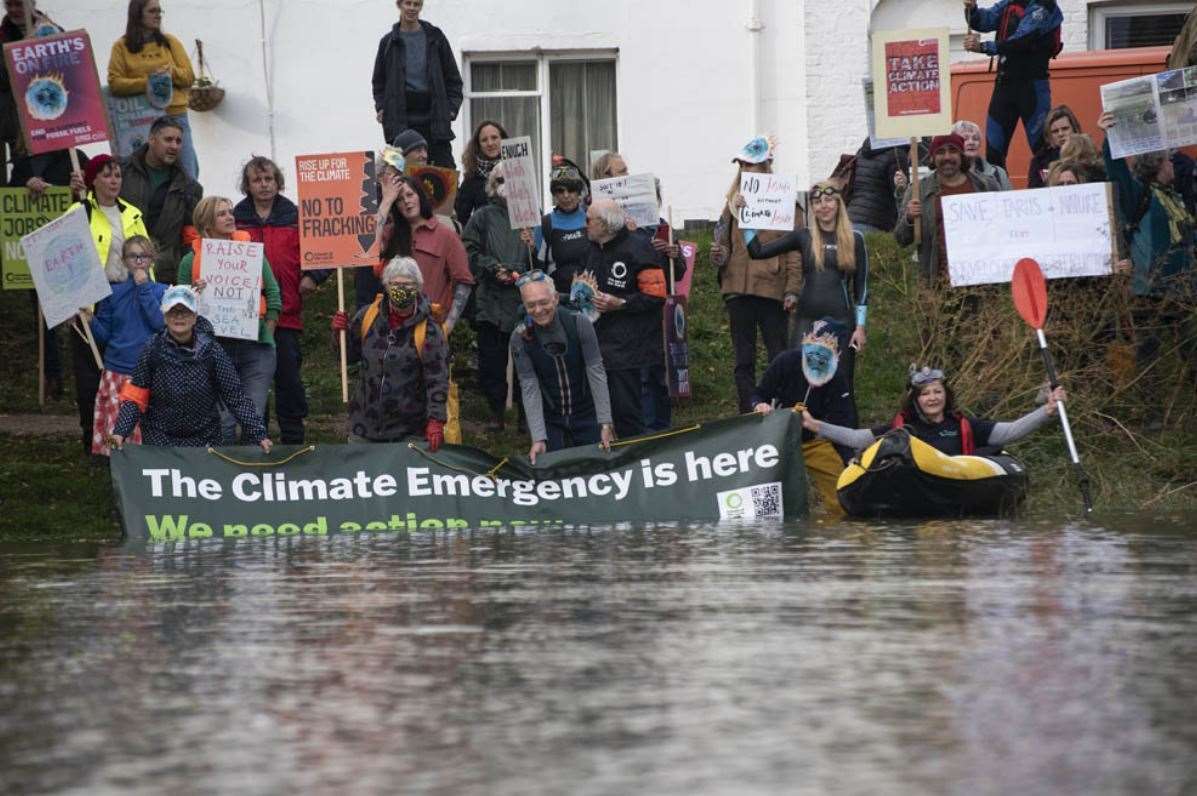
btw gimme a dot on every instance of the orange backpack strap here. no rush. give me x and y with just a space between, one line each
421 331
371 313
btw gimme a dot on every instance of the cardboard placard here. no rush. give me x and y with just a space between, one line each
338 206
913 84
690 255
230 300
635 193
770 201
677 349
521 189
131 118
57 91
440 185
21 213
1068 229
65 266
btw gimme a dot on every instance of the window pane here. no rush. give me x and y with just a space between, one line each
1145 30
503 76
518 115
582 116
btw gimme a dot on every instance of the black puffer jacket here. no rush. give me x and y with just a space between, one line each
872 201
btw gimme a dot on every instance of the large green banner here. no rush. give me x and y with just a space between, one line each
746 468
21 213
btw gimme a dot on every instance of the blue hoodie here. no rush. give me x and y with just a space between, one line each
126 320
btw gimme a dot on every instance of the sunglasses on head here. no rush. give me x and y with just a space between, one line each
926 376
824 190
531 276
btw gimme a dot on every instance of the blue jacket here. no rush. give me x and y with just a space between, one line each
183 387
1025 51
126 320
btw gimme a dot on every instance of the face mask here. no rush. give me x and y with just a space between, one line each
401 295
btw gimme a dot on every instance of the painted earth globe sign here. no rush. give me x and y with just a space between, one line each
69 265
46 97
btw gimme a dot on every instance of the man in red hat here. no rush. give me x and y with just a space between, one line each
952 175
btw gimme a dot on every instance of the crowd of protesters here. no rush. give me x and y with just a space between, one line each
567 315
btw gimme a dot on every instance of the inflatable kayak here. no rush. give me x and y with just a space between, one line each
901 476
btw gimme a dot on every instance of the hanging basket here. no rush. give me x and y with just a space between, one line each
205 93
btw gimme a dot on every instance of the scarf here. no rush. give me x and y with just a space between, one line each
485 167
1180 223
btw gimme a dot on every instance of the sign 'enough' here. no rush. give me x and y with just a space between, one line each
1067 229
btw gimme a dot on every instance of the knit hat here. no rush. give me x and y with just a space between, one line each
758 150
941 141
408 140
93 168
566 174
180 296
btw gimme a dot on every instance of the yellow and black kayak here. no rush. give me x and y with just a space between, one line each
899 475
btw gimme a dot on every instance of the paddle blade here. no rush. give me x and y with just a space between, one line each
1029 290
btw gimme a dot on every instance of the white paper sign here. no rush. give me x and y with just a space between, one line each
65 266
1067 229
521 190
1152 112
635 193
230 300
769 201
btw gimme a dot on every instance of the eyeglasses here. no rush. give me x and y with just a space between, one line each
826 190
138 258
531 276
925 376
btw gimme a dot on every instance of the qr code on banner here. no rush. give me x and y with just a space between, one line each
760 502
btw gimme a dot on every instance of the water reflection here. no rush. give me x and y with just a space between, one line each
858 657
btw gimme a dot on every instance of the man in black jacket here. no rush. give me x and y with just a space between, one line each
155 183
417 84
631 287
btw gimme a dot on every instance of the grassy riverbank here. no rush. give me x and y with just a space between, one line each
49 492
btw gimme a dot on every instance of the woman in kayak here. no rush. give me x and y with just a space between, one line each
929 413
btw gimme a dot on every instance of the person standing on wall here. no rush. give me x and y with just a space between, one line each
1028 37
147 61
416 83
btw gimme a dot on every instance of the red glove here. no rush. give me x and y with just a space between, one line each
434 434
340 322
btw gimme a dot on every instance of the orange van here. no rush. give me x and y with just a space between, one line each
1076 79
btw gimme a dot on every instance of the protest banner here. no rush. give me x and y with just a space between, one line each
769 201
911 66
746 468
440 185
1152 112
21 212
232 294
130 119
57 92
66 271
521 188
635 193
338 206
1068 229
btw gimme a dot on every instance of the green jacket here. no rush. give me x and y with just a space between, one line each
928 195
274 297
491 243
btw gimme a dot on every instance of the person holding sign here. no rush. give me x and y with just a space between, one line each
122 324
182 378
12 28
560 367
498 255
929 412
835 271
403 379
272 219
757 293
147 61
1028 37
254 360
952 175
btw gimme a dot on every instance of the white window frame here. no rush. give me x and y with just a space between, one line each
544 59
1100 14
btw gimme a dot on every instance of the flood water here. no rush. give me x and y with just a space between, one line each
986 657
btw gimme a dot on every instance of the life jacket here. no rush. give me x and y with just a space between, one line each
197 273
1011 18
564 383
967 445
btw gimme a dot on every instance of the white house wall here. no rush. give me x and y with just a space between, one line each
685 74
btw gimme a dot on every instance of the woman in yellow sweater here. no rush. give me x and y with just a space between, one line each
147 61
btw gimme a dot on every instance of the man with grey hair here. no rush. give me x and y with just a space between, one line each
631 295
560 367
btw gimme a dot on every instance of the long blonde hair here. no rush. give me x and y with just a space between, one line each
845 239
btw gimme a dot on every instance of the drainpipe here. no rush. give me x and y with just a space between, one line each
754 27
267 76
